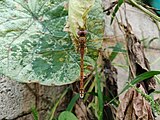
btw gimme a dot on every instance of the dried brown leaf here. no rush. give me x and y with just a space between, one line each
81 111
134 107
138 62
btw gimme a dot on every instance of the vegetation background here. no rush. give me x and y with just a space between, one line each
34 48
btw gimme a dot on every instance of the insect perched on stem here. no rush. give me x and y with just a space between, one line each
82 45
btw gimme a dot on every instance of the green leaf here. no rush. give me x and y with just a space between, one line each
156 92
136 80
118 48
51 115
120 2
72 102
39 50
32 4
140 78
78 11
95 27
34 47
34 113
100 95
66 115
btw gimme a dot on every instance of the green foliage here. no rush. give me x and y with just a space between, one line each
72 102
77 15
100 95
157 92
120 2
34 47
140 78
118 48
52 112
66 115
34 113
155 106
136 80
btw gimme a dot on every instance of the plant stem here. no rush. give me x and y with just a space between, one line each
132 2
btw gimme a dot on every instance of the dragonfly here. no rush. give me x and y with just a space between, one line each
82 44
81 48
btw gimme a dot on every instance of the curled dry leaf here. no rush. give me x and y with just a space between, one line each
134 107
137 59
81 111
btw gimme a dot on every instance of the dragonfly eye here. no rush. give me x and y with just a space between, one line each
82 32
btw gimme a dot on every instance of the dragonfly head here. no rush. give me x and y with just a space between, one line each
82 33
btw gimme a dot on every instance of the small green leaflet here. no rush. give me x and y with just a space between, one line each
34 113
66 115
116 49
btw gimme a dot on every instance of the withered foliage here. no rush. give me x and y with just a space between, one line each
138 62
134 107
110 76
81 111
111 88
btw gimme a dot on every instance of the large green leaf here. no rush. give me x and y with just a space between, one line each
95 26
33 45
